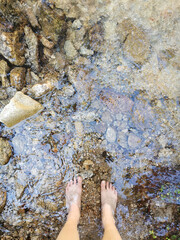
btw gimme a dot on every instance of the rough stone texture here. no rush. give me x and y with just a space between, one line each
4 69
32 50
111 135
77 24
11 48
136 45
17 78
96 37
86 52
19 108
3 94
3 198
49 82
46 42
31 16
70 50
58 61
5 151
133 140
52 22
79 128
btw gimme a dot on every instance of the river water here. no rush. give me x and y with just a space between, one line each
113 115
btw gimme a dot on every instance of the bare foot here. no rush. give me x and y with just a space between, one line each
73 198
108 201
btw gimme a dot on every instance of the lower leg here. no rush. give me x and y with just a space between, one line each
108 201
73 201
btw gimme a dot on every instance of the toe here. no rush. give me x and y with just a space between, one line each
80 181
110 186
107 185
103 184
70 183
74 182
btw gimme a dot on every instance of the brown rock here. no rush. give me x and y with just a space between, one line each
11 48
4 69
46 42
136 45
17 78
3 198
5 151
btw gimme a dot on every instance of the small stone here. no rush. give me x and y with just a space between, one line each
111 135
77 24
46 42
34 78
11 48
70 49
4 69
122 140
68 91
134 141
106 117
31 16
86 52
87 164
3 198
5 151
49 82
79 129
20 190
82 61
17 78
3 94
20 107
32 50
58 62
47 52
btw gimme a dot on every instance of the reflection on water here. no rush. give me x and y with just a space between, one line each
113 115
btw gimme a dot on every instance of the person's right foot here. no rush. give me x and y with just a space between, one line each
108 201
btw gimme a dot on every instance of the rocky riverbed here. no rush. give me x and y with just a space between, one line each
105 75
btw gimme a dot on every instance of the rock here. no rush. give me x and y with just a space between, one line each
32 50
20 107
111 135
17 78
5 151
82 61
52 22
106 117
58 61
19 190
115 102
49 82
96 37
77 24
79 129
70 50
68 91
3 94
46 42
86 52
122 139
31 16
4 69
87 164
3 198
136 45
133 141
11 48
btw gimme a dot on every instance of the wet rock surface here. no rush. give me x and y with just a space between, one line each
5 151
109 87
17 78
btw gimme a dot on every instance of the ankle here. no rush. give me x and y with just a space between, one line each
74 213
107 216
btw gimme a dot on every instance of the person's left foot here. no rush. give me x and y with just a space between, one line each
73 197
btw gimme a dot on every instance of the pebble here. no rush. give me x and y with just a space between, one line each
77 24
79 128
5 151
106 117
68 91
4 69
70 49
111 135
86 52
3 198
133 141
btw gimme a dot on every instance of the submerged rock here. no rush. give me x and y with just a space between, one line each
5 151
11 48
4 69
17 77
136 45
133 141
111 135
20 107
3 198
3 94
70 50
32 51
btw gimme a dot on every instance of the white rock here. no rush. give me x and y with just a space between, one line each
68 91
86 52
20 107
79 128
70 49
76 24
111 135
133 140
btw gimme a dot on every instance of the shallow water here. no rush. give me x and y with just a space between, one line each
122 116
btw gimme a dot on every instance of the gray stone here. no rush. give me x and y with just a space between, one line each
5 151
11 48
32 50
133 141
3 94
79 129
17 77
76 24
86 52
70 49
68 91
111 135
4 69
122 139
20 107
3 198
106 117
